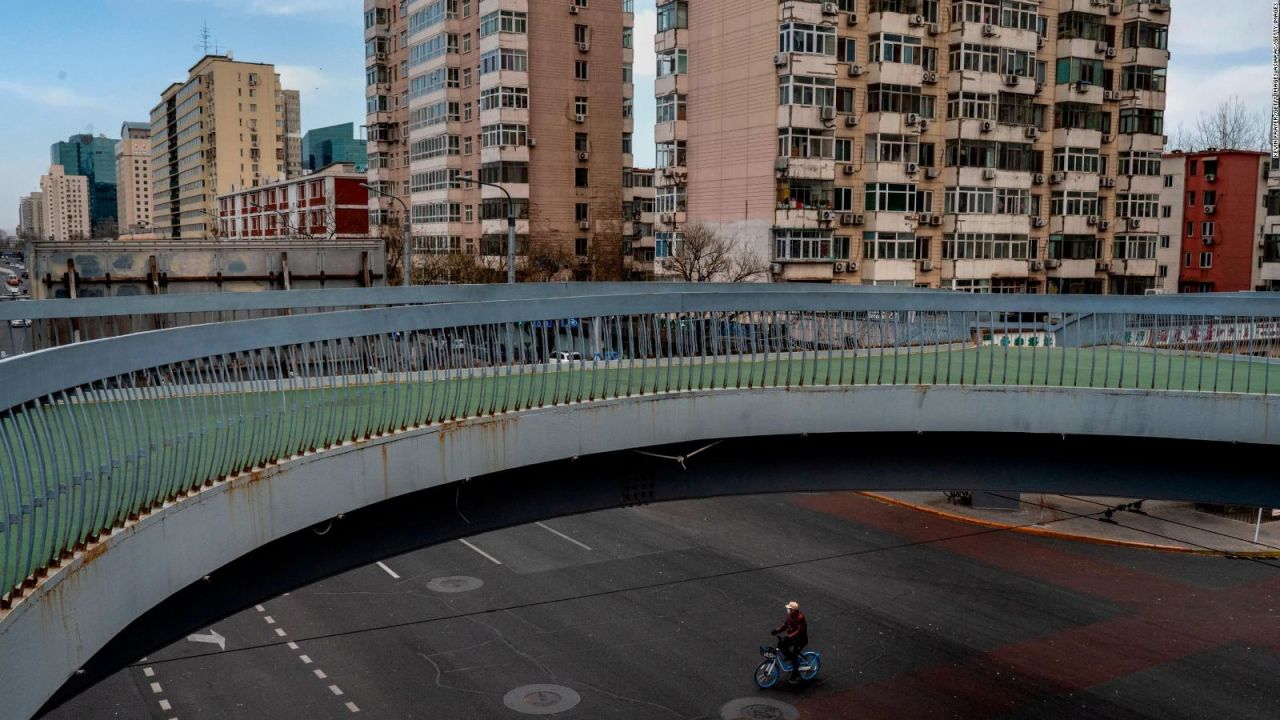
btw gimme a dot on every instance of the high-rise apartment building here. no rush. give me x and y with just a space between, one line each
981 145
637 209
386 55
93 157
133 177
325 146
222 128
1269 262
31 216
1169 245
291 105
533 96
66 205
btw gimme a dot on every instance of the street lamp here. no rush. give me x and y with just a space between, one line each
405 242
511 225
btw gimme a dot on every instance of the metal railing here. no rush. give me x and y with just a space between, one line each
95 433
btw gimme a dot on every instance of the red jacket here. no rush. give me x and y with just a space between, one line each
795 626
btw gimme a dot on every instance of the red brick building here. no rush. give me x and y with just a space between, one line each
1222 217
329 204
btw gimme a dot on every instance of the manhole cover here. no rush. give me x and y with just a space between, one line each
541 699
454 584
758 709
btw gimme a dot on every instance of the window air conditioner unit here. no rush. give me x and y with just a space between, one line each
1035 265
1210 209
932 173
1032 133
1011 80
923 125
839 267
1111 52
579 119
584 47
859 219
913 118
1037 222
913 168
584 224
666 172
828 113
1101 46
532 143
1104 224
666 218
1135 223
1040 41
1208 239
826 216
924 219
848 169
852 19
988 173
987 126
1053 263
1102 266
851 121
1091 220
935 220
929 77
1037 179
988 31
917 21
782 163
1107 182
573 9
935 29
584 156
1210 177
846 219
851 266
1081 86
1056 178
1114 9
780 60
830 8
926 266
856 70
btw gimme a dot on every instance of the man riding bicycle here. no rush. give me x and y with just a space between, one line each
793 636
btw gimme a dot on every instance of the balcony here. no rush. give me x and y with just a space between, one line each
983 269
1140 268
888 270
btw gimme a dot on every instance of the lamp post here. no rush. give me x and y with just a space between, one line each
405 239
511 225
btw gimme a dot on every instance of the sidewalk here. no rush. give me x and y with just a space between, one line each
1168 526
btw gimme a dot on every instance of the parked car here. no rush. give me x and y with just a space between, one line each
566 357
16 323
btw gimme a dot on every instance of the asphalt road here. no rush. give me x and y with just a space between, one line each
657 612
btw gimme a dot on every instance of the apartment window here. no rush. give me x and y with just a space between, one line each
1210 197
1162 271
892 197
504 97
580 143
504 59
892 148
886 245
1074 247
673 16
1134 247
1191 229
506 21
1164 242
670 107
805 143
670 154
1186 260
1166 211
1142 120
801 244
672 62
1207 229
1137 205
804 90
581 212
581 34
794 37
1206 259
1142 77
580 106
1074 202
580 70
1134 162
890 47
580 177
844 150
883 97
1191 198
1079 159
1168 181
986 246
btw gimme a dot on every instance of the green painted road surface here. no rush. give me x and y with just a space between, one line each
71 470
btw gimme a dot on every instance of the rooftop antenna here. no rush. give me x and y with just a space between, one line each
206 40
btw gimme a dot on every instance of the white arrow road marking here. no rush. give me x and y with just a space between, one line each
213 638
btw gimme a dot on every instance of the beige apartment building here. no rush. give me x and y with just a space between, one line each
66 205
31 216
291 104
222 128
980 145
535 97
637 210
386 51
133 178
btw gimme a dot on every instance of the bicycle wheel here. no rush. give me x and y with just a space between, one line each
810 662
767 674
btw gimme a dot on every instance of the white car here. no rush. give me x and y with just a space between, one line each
20 323
566 357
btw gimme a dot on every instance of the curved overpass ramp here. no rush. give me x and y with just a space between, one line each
146 462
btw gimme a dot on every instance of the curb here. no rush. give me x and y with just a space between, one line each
1058 535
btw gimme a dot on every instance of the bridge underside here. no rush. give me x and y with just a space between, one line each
433 484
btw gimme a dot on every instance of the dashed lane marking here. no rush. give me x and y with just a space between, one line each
335 689
305 659
559 534
352 707
390 572
487 556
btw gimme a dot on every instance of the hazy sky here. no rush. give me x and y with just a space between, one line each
77 66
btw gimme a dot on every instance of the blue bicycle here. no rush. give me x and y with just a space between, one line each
769 672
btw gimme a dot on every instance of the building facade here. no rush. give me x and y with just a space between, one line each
637 208
133 178
386 54
66 206
325 146
291 107
31 216
192 162
981 145
326 205
93 157
1223 199
558 146
1269 262
1169 247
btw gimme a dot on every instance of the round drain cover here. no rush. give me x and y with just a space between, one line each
454 584
758 709
541 699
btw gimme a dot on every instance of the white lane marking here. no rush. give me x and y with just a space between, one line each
281 632
352 707
306 659
320 673
148 672
559 534
293 646
491 558
390 572
259 608
335 689
164 705
155 688
270 620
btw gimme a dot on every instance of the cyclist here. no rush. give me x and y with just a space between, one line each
793 636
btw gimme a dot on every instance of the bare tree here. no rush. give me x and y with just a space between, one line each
392 236
451 268
1228 126
705 255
